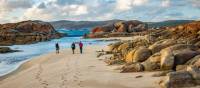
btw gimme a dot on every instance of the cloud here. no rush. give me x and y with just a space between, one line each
53 9
139 2
121 5
42 6
195 3
8 5
68 2
36 13
2 15
74 10
105 16
128 4
166 3
145 10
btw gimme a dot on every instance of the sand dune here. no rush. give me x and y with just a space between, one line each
74 71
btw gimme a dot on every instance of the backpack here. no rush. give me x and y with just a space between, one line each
73 45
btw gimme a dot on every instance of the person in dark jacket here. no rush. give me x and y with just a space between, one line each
81 47
57 48
73 46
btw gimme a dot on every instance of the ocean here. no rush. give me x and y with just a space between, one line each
11 61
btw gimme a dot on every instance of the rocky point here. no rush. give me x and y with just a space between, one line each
27 32
121 28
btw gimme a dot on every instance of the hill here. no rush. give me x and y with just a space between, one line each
167 23
65 24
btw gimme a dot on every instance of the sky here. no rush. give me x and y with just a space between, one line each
96 10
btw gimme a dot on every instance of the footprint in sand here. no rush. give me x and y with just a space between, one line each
42 82
64 76
77 74
64 82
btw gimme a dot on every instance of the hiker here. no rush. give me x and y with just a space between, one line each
81 47
73 46
57 48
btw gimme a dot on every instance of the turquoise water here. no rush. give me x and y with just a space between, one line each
75 33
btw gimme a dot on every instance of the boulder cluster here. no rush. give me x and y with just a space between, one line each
26 32
121 28
174 49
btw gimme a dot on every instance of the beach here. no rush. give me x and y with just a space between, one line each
67 70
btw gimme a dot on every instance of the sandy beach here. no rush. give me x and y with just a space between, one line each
66 70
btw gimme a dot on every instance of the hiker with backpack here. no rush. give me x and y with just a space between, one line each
73 46
57 48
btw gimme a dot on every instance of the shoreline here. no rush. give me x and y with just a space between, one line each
20 66
66 69
14 71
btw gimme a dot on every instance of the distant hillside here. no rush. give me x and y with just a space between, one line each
65 24
80 24
167 23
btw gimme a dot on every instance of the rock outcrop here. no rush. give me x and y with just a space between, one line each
188 78
175 49
27 32
122 28
182 56
132 68
129 26
158 46
129 56
152 63
177 80
7 50
139 54
167 59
